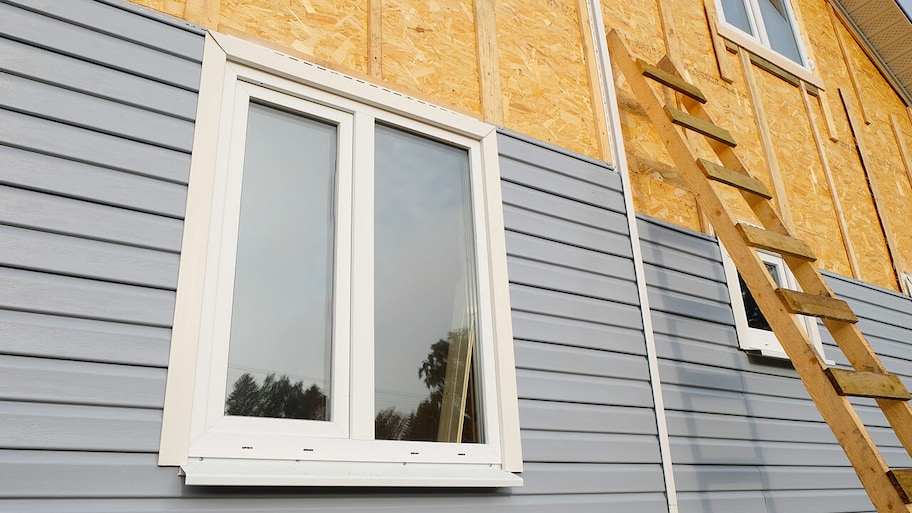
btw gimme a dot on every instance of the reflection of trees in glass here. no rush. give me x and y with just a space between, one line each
276 398
423 424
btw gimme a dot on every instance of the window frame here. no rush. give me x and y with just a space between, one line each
196 435
758 341
759 45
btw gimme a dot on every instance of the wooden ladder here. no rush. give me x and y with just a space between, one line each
889 490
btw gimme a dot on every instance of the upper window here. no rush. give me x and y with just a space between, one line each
754 332
342 314
767 24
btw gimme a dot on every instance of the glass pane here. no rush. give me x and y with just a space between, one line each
424 291
735 13
281 322
779 28
755 318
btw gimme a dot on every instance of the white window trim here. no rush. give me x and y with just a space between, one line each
803 70
760 341
350 458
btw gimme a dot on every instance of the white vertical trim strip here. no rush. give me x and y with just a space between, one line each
609 97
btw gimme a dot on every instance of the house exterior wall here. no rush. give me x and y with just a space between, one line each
97 106
532 67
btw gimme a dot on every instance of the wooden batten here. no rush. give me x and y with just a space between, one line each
669 80
735 179
696 124
776 242
492 109
204 13
831 186
722 62
595 81
903 147
375 38
766 141
868 384
838 26
817 306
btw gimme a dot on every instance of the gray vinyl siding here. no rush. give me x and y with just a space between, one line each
744 434
97 101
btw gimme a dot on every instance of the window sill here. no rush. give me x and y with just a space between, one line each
238 472
786 65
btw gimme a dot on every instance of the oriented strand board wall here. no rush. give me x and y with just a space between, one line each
541 85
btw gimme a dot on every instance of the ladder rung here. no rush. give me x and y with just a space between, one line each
902 480
777 242
696 124
817 306
667 79
867 384
733 178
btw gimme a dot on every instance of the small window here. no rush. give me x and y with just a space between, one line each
754 332
769 23
343 312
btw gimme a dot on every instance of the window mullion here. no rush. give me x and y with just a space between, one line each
362 284
759 25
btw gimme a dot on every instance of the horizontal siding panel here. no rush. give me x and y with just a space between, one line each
694 286
563 447
30 334
562 478
572 360
414 501
675 238
831 501
75 143
72 179
78 428
553 386
534 248
705 425
548 227
676 327
59 254
592 418
80 383
562 208
537 155
740 502
82 110
78 297
683 304
53 68
735 452
665 257
700 376
46 212
604 194
64 474
92 46
716 478
572 332
572 281
109 19
529 299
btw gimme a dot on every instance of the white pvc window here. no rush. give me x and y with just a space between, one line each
342 304
754 333
767 27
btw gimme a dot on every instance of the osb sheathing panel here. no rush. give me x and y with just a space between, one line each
429 47
173 7
808 194
544 78
332 30
655 183
656 186
885 164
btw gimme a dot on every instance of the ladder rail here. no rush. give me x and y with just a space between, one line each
836 410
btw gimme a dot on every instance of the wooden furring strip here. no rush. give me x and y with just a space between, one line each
696 124
595 80
831 185
375 38
837 22
667 79
205 13
725 70
733 178
868 384
817 306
